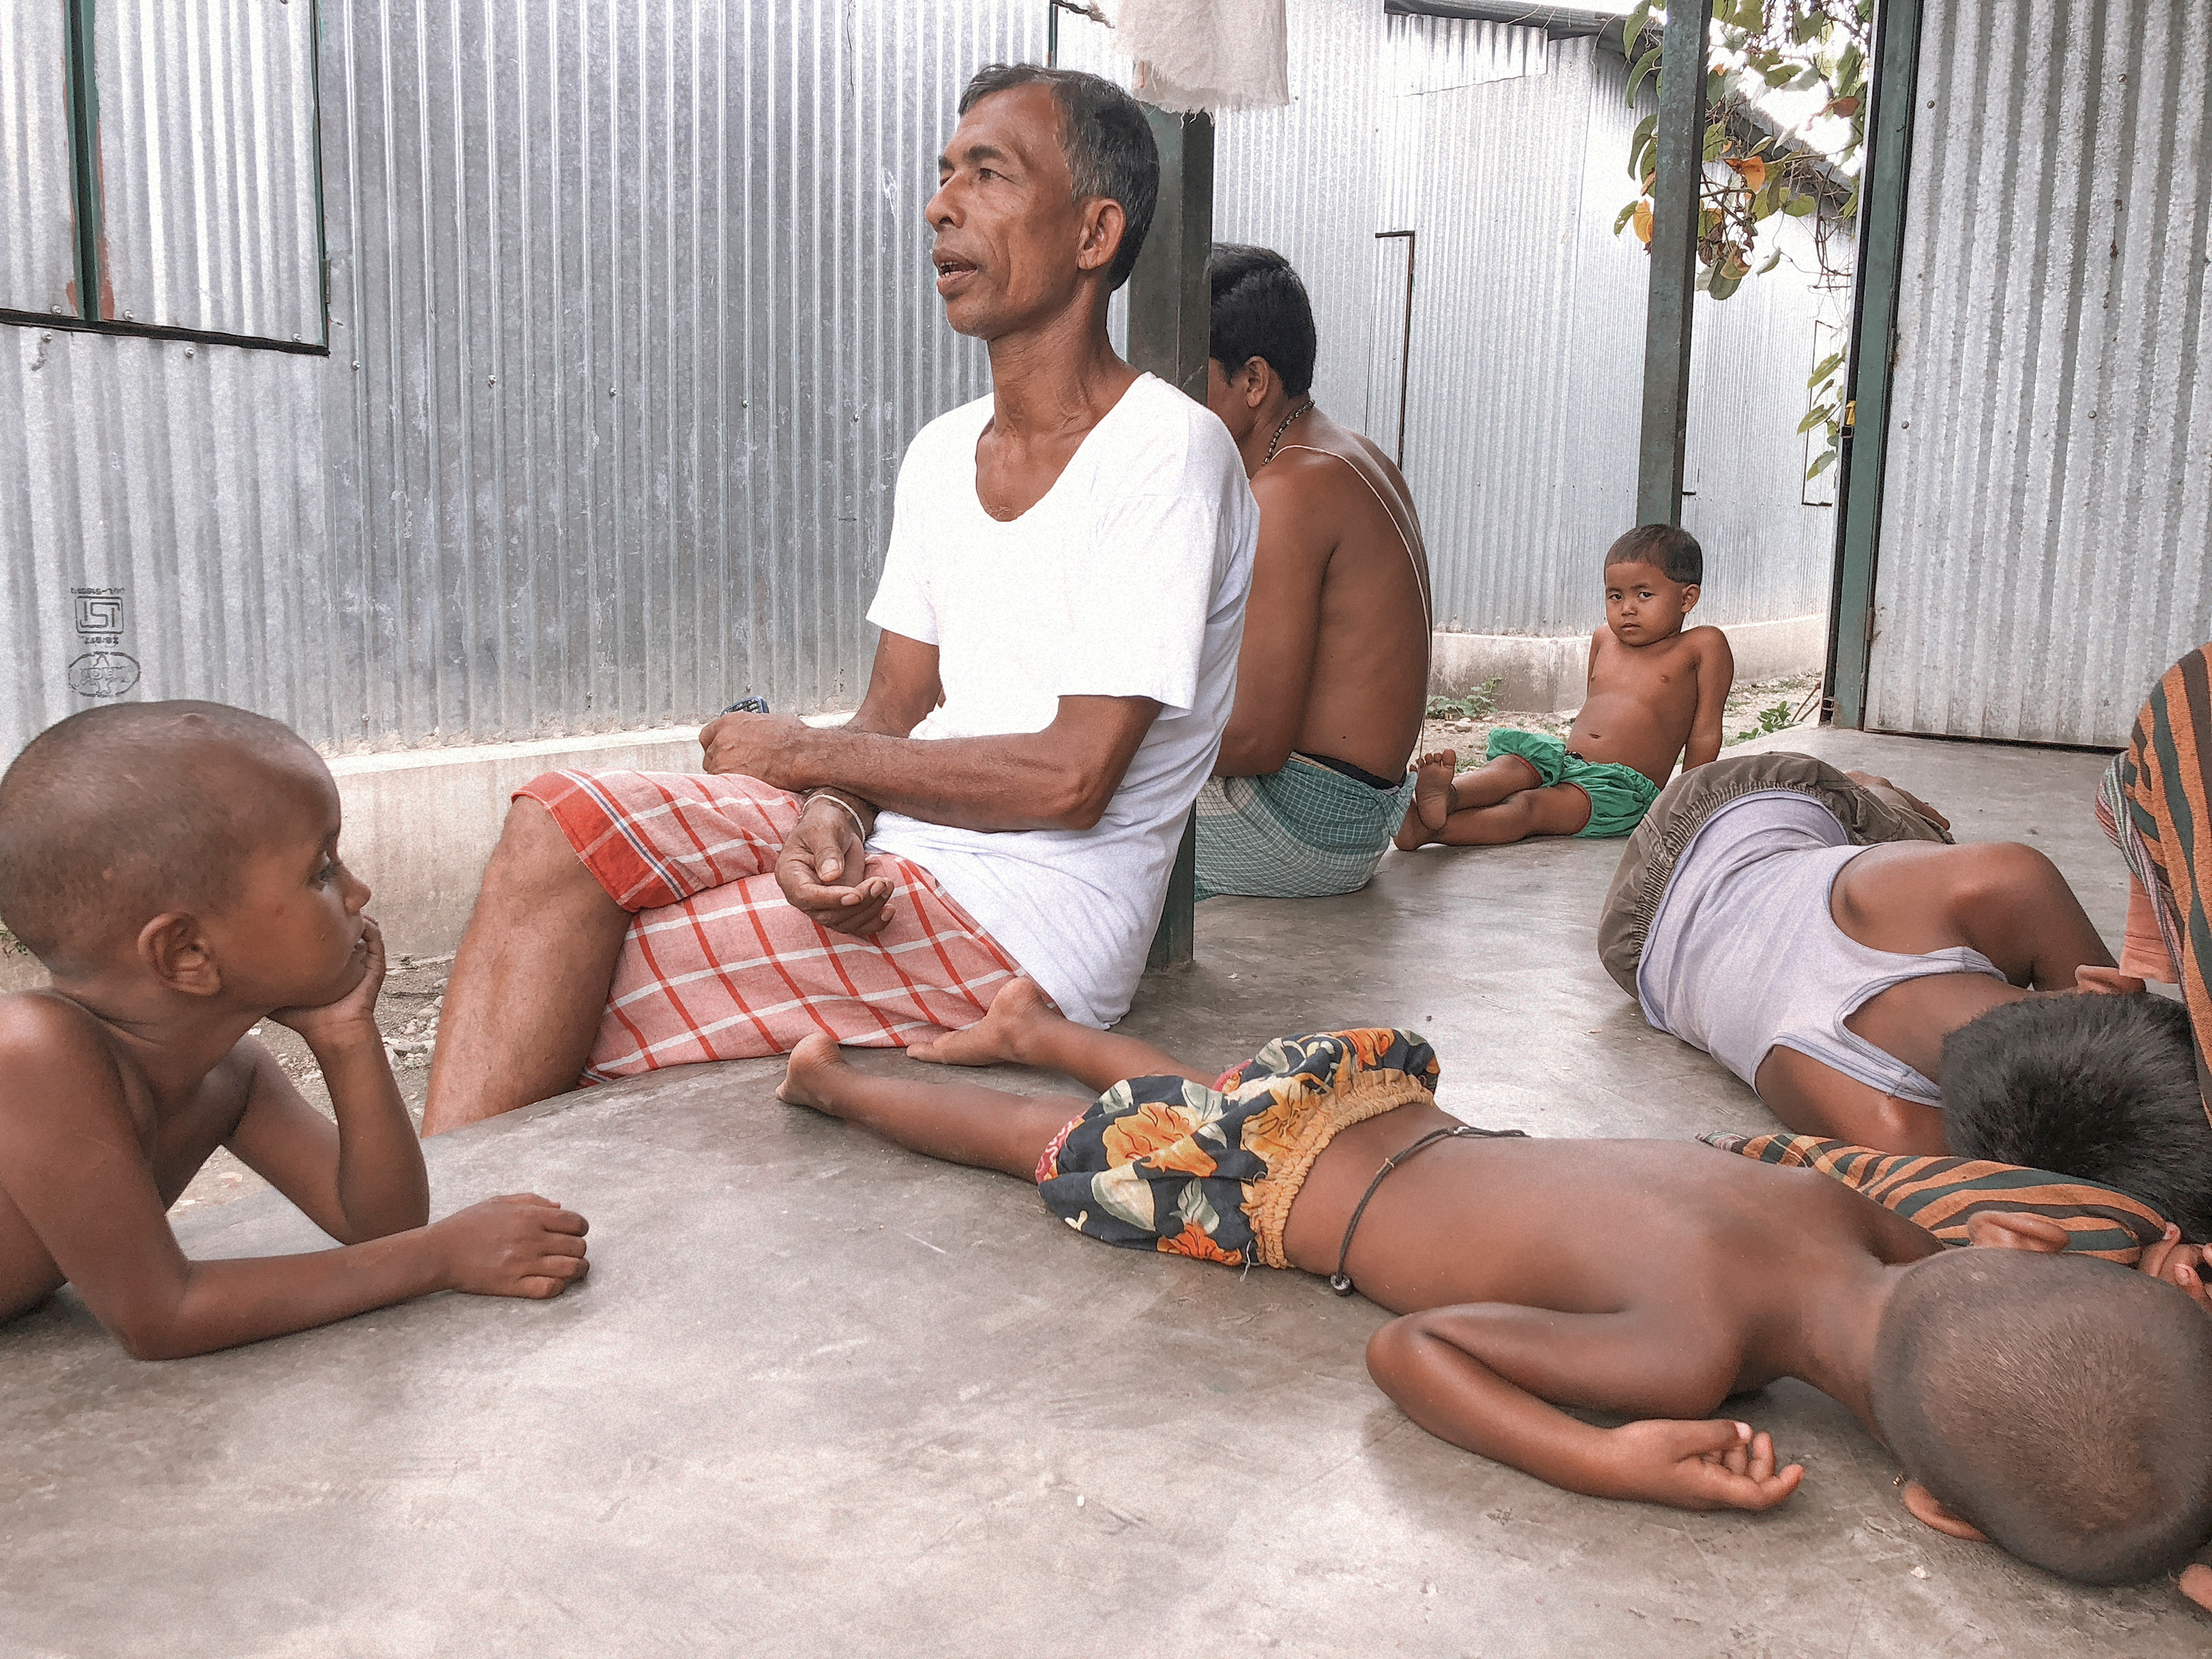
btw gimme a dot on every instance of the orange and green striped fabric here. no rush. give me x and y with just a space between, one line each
2163 785
1942 1195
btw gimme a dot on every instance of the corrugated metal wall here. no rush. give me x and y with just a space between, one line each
631 322
37 258
644 323
209 197
2049 500
1507 156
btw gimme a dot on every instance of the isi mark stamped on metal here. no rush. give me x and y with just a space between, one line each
102 668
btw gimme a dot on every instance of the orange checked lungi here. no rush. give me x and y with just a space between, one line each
717 964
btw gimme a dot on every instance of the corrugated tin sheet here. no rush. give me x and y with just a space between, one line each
1520 422
162 517
2048 502
207 165
38 261
631 323
642 310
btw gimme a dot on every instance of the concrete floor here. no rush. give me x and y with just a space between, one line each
821 1396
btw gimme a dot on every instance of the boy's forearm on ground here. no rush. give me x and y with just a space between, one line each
382 1185
1453 1394
224 1304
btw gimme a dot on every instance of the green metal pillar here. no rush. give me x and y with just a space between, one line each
1170 314
1879 269
1679 167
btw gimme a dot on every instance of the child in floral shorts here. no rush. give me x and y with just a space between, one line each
1650 1279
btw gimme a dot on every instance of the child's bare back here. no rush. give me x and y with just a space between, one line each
175 868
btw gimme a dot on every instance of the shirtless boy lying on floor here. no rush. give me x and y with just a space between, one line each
175 866
1815 933
2028 1395
1655 696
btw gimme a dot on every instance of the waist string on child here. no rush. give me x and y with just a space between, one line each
1340 1281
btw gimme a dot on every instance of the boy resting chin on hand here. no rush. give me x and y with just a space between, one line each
174 865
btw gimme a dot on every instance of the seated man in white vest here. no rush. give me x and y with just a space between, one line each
1060 607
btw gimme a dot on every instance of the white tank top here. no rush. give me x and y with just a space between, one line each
1744 954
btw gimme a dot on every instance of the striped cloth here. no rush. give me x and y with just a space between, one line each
717 964
1303 832
1942 1195
2154 805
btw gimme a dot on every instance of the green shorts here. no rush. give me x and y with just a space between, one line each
1618 795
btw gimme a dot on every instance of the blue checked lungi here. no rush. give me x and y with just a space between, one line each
1303 832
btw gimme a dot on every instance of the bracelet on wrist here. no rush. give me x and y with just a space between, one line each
840 803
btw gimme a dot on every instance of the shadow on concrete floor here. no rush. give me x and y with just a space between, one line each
819 1396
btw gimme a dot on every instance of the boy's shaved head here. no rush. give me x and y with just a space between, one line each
2055 1401
116 814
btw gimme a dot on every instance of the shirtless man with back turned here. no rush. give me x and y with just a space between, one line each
1311 782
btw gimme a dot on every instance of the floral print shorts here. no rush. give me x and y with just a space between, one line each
1163 1163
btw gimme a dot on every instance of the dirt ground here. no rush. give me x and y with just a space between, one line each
414 989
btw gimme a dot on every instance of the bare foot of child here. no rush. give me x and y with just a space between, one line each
1432 793
996 1037
809 1075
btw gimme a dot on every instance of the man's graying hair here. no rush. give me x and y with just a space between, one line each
1106 139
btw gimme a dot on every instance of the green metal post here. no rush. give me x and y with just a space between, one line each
1873 336
1170 318
84 156
1679 167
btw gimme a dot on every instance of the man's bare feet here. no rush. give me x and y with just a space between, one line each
808 1075
997 1037
1432 791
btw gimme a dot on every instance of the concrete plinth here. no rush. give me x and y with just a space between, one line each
1551 670
820 1396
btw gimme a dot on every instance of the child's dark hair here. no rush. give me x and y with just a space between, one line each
2039 1397
118 812
2102 1087
1260 310
1673 550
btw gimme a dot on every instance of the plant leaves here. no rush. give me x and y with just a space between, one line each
1828 366
1722 284
1814 416
1640 213
1638 142
1626 214
1644 65
1825 460
1751 169
1798 206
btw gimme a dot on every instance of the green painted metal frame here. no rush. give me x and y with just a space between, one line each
84 157
83 105
1680 166
1170 320
1881 270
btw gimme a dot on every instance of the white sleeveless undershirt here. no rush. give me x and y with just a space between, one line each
1745 956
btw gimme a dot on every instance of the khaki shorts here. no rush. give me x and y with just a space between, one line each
1681 811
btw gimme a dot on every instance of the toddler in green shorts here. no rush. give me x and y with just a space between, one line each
1655 696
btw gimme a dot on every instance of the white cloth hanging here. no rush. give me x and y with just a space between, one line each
1206 54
